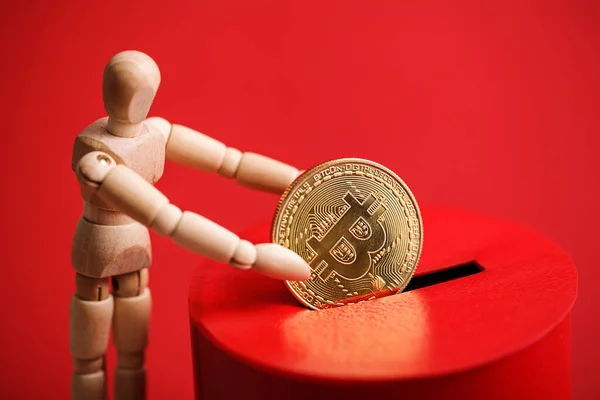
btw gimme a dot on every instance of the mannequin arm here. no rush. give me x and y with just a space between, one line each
129 193
199 151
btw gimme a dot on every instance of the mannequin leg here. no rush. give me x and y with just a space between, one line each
130 333
91 312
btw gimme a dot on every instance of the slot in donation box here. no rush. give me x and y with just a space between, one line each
486 316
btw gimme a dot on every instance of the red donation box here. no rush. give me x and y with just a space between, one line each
486 316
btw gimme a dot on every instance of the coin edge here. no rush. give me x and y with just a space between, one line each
394 175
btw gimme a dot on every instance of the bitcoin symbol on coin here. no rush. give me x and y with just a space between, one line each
347 247
357 225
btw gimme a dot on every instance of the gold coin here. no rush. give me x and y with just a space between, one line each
357 225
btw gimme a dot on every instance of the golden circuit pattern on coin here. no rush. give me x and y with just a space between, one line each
357 225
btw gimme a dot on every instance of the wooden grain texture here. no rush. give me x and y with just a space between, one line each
117 160
90 366
131 322
89 327
144 154
129 193
205 237
264 173
194 149
278 262
130 284
103 250
231 162
245 254
130 82
166 220
103 216
91 289
130 384
89 386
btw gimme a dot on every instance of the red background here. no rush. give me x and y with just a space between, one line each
490 106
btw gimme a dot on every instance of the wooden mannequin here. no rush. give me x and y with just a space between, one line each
117 160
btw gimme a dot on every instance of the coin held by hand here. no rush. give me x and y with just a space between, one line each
357 225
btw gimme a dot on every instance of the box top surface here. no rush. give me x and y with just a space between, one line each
527 287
